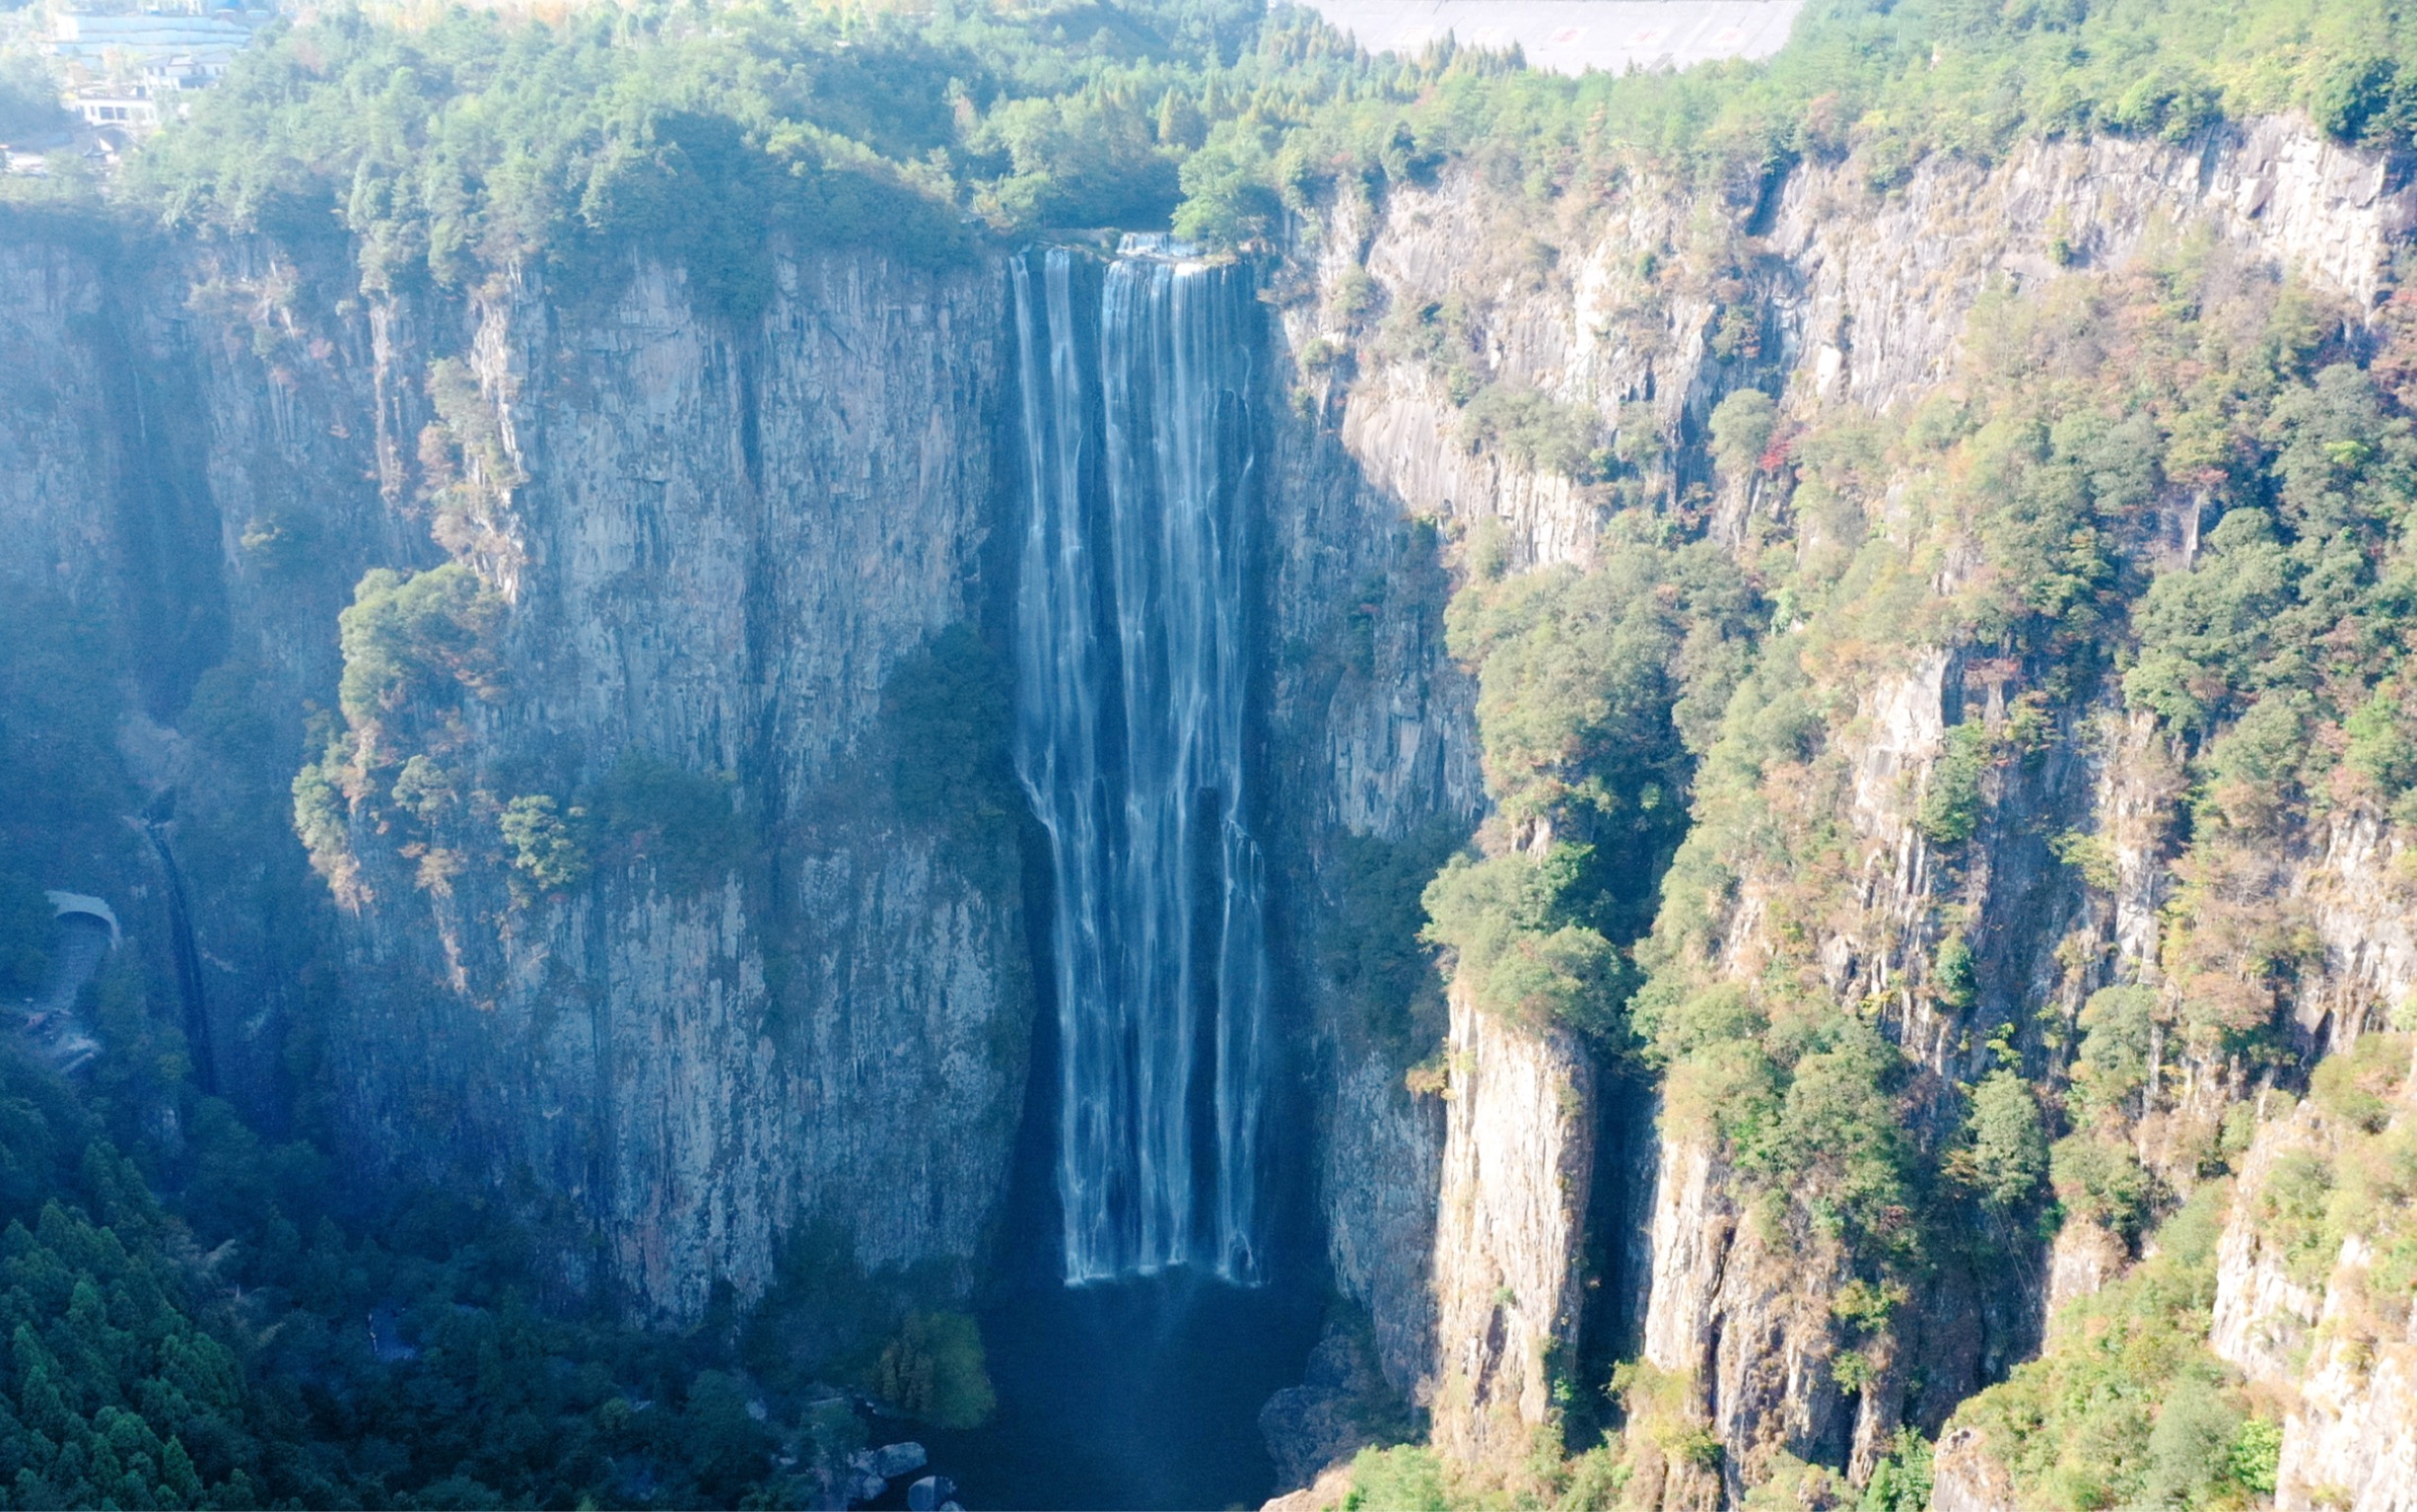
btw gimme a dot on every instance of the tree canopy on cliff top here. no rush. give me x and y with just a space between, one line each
467 143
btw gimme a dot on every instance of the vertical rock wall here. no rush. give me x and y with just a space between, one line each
716 543
2315 1332
1842 296
1517 1162
190 442
1370 734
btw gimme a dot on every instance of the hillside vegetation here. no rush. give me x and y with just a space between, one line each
464 144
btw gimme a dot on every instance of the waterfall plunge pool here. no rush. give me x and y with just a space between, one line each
1129 1394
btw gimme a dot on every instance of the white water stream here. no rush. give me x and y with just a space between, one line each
1132 668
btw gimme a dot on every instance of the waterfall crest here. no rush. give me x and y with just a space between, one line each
1132 671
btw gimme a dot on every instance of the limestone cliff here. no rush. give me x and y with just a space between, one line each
714 544
1373 736
1646 309
1516 1167
2306 1316
717 544
193 461
2303 1303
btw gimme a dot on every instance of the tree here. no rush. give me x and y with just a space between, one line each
1741 430
1226 199
542 843
1949 812
25 933
936 1370
414 642
2009 1149
30 108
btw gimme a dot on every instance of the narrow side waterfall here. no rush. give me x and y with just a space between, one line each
1132 668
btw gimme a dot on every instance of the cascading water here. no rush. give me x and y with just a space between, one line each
1131 668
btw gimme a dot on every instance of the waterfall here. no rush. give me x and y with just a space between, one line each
1131 668
189 983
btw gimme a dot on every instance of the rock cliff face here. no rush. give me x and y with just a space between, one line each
2308 1323
714 544
717 545
1717 1271
1881 289
1646 309
1516 1166
2301 1308
1371 735
192 449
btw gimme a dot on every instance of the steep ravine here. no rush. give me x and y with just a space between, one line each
711 547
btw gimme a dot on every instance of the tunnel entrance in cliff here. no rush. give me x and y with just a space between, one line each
1154 1292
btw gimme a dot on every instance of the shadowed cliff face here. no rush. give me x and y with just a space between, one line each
717 547
712 548
187 501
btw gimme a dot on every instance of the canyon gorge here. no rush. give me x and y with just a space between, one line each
928 779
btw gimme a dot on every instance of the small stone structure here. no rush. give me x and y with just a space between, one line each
63 904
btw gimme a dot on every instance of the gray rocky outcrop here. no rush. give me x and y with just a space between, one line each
1852 295
1517 1164
2320 1339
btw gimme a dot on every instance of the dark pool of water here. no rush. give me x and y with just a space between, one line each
1137 1394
